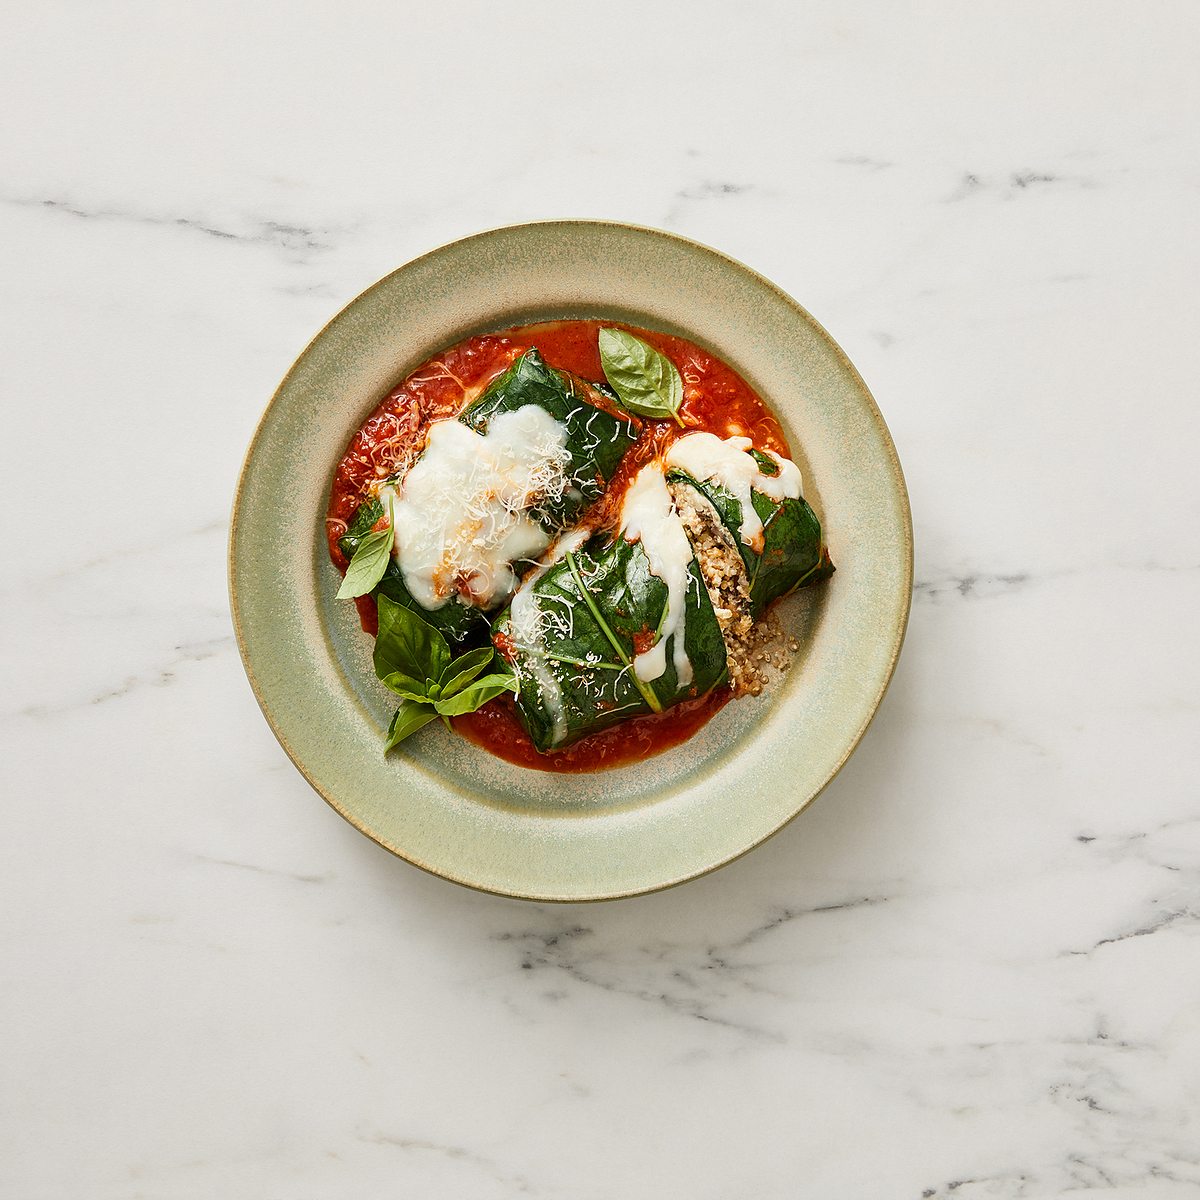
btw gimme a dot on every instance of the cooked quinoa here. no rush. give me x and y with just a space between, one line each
752 646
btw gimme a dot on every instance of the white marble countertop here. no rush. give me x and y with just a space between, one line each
970 970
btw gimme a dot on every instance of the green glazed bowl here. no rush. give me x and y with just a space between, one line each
451 808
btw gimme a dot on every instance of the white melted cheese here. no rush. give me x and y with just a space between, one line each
528 632
648 514
461 519
705 456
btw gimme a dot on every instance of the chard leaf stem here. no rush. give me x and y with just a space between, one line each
647 692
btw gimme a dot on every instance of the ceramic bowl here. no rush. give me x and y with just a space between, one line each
453 809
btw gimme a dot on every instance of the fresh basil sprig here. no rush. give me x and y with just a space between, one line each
370 559
413 660
647 382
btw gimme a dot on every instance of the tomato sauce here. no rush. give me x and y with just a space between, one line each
495 728
715 400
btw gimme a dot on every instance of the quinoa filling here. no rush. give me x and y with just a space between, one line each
751 646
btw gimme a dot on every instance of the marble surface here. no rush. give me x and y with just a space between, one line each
970 970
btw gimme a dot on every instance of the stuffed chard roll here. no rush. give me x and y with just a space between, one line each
611 626
675 603
756 538
490 493
594 440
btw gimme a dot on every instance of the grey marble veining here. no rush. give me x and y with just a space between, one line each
970 970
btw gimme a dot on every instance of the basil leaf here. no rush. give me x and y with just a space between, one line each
463 669
407 645
371 558
476 695
647 382
408 719
409 688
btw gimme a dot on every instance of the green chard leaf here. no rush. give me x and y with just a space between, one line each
409 717
793 554
646 690
576 677
647 382
366 517
371 557
766 464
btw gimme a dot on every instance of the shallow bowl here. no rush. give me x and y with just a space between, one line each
442 803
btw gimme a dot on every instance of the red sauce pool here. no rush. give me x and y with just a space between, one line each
496 728
715 400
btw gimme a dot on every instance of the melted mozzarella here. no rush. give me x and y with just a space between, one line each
706 456
648 514
461 512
